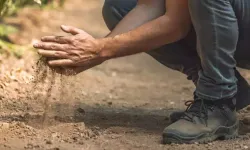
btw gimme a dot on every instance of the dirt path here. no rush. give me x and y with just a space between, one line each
121 105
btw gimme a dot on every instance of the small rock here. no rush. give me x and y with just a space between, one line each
114 74
245 147
110 96
55 148
81 111
84 93
97 92
246 120
55 135
81 143
48 142
248 108
4 125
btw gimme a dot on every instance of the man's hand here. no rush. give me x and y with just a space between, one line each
79 51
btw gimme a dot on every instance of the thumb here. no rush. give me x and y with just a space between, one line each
71 30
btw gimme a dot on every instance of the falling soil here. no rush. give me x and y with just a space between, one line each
44 80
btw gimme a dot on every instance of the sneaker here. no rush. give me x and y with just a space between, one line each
204 121
243 97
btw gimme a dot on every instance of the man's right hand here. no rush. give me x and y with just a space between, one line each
72 71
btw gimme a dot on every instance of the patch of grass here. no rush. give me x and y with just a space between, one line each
12 49
10 7
5 30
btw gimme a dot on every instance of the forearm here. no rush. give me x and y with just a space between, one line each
144 38
141 30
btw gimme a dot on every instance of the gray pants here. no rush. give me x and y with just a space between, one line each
223 31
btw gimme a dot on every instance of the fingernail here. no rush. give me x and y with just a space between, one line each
35 45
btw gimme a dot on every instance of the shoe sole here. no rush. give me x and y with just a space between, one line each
223 133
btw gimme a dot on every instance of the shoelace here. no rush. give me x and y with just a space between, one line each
194 109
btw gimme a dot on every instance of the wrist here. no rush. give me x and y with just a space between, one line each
105 49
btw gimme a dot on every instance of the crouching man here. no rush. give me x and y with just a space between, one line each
204 39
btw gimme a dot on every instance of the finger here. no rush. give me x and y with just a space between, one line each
61 63
57 39
51 46
53 54
71 30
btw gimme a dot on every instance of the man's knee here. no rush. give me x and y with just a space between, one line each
114 10
124 5
108 14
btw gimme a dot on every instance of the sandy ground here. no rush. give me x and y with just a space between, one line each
122 104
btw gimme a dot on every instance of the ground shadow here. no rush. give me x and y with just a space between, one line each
103 117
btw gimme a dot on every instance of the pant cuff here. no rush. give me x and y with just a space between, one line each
214 98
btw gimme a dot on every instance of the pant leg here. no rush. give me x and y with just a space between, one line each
114 10
242 12
181 56
217 36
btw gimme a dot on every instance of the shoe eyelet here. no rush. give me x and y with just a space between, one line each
212 108
223 107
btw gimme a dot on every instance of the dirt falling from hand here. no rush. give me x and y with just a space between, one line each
44 81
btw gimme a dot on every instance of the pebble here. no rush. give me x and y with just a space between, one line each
110 96
81 111
84 93
248 108
4 125
246 120
245 147
114 74
97 92
55 148
54 135
48 142
172 103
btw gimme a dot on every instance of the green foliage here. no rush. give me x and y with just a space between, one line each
9 7
54 2
3 4
11 49
5 30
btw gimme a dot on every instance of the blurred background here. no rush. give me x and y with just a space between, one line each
121 104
